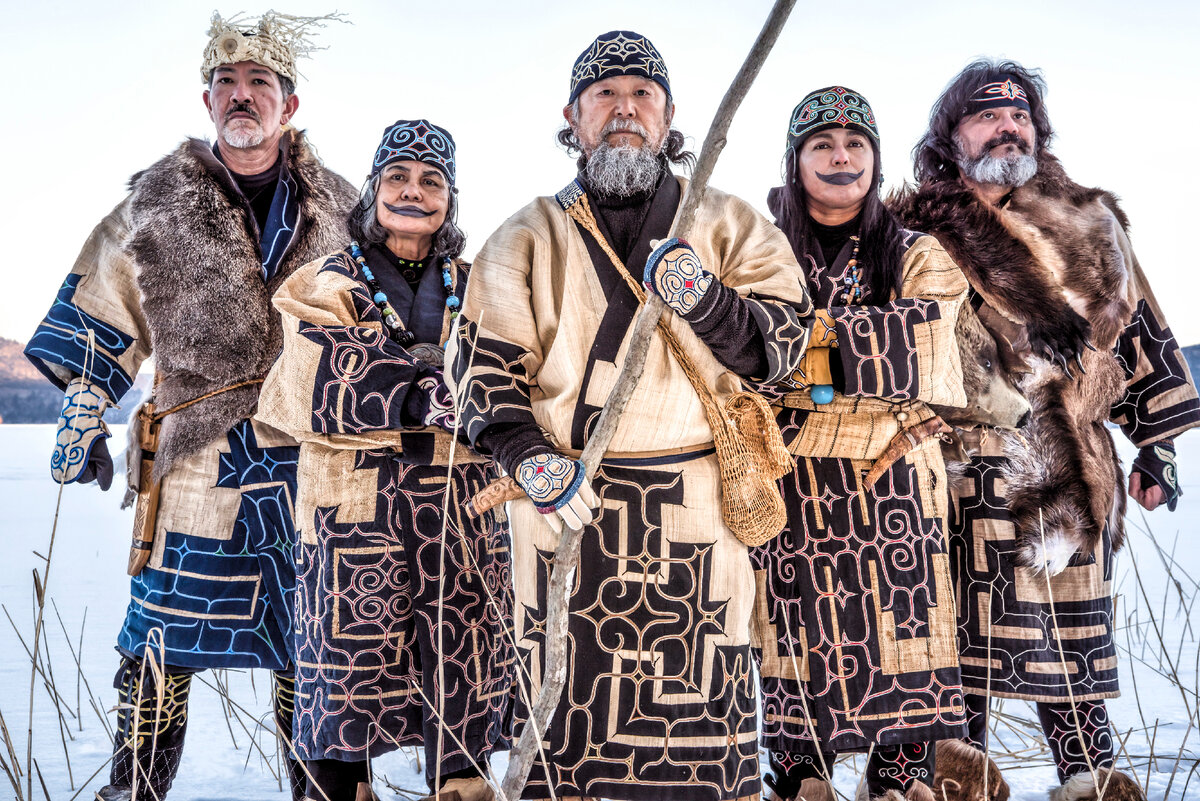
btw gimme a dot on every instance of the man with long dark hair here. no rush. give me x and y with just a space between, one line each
659 699
1051 267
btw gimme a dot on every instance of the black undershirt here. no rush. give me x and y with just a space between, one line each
832 238
623 216
258 189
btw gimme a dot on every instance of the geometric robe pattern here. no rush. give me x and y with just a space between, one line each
217 590
659 699
855 615
1015 651
403 601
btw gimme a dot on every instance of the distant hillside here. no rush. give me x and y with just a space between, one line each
27 397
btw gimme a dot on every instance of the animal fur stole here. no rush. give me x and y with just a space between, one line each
206 305
1049 262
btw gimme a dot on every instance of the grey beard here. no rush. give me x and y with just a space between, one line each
1012 170
622 171
241 137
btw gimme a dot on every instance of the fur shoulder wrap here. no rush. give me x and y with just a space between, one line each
199 272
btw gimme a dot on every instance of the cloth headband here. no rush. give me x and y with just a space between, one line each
618 53
831 107
997 94
416 140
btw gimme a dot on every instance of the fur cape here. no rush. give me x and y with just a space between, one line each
195 243
1050 263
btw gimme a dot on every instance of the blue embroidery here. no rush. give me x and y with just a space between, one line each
62 337
227 603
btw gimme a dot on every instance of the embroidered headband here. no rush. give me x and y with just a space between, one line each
416 140
831 107
273 40
618 53
997 94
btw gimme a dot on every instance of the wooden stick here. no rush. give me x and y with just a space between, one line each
566 556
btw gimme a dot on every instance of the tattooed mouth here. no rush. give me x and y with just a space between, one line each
840 178
408 211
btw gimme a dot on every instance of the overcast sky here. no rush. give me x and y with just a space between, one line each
99 90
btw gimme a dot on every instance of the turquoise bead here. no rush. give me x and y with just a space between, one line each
822 394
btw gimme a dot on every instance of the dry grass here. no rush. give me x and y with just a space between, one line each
1150 615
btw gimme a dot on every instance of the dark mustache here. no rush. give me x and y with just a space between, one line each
408 211
242 107
840 178
1007 138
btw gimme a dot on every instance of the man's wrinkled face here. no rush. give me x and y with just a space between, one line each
622 125
246 104
996 146
622 111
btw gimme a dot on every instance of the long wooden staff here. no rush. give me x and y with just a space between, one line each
566 556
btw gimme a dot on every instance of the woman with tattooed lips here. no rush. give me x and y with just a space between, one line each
402 599
856 616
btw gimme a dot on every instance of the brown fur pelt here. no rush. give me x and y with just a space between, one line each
1113 786
203 296
1050 264
958 775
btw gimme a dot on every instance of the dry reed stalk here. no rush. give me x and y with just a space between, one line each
50 689
524 687
1066 676
1158 633
566 555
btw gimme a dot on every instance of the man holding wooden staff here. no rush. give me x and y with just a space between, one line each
659 699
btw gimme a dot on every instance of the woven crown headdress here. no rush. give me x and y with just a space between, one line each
273 40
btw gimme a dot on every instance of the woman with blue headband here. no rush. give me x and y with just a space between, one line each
856 615
402 598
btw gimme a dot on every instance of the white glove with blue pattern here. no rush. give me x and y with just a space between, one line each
559 489
80 447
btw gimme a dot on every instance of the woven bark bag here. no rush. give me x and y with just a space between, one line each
750 449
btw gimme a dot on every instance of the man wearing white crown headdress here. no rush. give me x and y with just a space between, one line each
183 270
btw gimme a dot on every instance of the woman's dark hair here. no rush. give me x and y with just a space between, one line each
934 157
881 239
448 240
673 146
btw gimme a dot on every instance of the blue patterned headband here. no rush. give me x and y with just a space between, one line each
997 94
416 140
831 107
618 53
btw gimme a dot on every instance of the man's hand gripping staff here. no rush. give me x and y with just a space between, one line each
566 556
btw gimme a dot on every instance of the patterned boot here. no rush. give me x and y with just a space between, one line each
150 731
958 774
1115 786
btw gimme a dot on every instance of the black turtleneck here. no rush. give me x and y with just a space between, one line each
832 238
259 189
623 216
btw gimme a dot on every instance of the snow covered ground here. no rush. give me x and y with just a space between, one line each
87 578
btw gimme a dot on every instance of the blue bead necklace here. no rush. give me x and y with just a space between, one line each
853 293
391 321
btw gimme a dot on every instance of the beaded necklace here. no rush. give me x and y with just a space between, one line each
391 320
853 291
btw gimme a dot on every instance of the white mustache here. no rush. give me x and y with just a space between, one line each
624 126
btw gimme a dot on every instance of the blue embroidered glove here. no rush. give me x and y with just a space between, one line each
559 488
80 451
440 411
674 273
